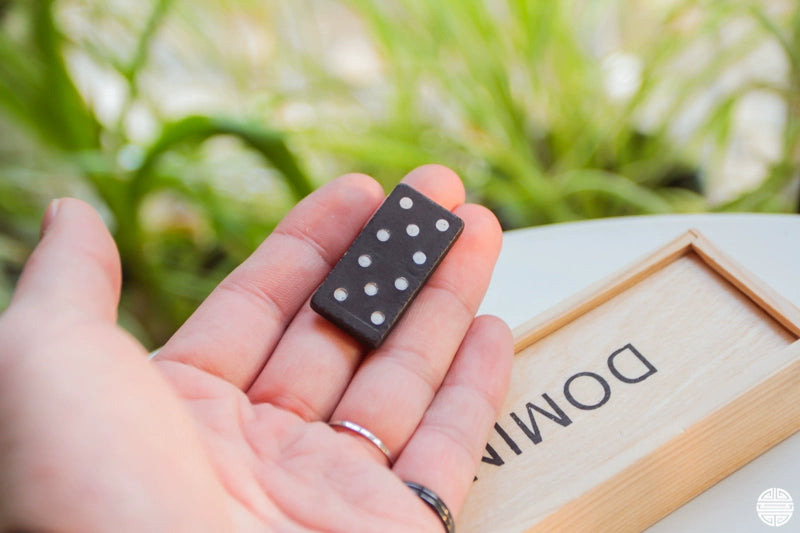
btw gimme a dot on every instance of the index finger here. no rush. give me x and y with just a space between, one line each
236 328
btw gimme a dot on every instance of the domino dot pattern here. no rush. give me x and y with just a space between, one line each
387 264
370 289
383 235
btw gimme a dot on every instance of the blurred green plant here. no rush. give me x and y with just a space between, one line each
513 94
166 272
516 95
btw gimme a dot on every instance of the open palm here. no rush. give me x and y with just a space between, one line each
227 428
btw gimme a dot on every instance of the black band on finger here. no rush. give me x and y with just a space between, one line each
435 503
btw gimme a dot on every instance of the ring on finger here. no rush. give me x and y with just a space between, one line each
367 434
435 503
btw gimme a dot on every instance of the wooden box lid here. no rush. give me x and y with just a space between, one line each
635 395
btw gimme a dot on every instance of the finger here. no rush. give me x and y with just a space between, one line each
83 411
233 332
438 183
314 361
75 269
393 388
444 452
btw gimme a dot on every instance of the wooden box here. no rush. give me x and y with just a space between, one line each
637 394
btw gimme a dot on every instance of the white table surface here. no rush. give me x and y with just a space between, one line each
541 266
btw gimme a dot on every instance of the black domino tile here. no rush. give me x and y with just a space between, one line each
373 283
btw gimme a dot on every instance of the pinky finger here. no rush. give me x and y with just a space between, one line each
444 452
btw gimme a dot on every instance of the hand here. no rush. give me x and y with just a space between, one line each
225 430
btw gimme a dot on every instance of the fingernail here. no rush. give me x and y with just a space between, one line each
49 215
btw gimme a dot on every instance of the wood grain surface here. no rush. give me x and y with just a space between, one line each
632 397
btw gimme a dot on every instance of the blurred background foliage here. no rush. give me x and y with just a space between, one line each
194 126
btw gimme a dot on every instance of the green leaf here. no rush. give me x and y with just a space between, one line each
270 144
606 184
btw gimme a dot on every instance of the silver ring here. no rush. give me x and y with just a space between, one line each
367 434
435 503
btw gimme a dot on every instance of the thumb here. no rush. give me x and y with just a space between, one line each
75 268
